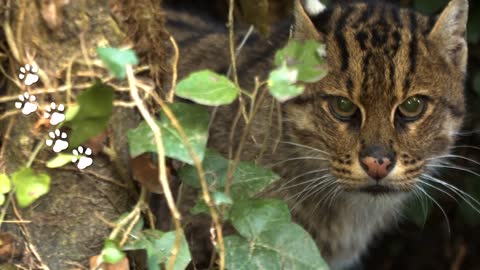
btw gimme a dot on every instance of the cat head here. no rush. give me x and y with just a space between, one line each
393 98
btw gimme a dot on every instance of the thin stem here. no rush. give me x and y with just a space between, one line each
201 173
171 93
34 154
231 39
243 139
161 163
131 216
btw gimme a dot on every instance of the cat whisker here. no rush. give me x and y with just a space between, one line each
437 204
437 188
301 175
465 146
324 198
422 199
455 156
304 182
320 190
307 147
468 133
455 168
311 188
315 189
298 158
332 199
460 193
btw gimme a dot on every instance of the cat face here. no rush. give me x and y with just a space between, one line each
393 98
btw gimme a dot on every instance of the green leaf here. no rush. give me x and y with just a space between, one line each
2 199
208 88
29 186
283 246
71 112
159 247
248 179
111 252
200 207
95 109
194 120
116 60
5 184
219 199
281 83
307 57
270 240
252 217
60 160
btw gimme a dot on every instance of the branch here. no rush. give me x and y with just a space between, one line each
161 163
201 173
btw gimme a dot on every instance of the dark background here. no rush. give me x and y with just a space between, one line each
425 239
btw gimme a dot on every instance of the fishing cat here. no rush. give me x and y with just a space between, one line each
356 144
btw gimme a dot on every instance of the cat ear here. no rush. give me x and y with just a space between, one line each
303 28
449 33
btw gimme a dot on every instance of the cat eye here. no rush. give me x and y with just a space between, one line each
412 108
342 108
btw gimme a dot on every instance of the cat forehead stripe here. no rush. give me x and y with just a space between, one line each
376 33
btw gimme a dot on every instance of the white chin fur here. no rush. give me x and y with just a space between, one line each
313 7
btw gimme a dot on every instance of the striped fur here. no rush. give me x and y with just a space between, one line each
378 55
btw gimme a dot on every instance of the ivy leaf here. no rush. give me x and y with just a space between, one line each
270 240
111 253
281 83
252 217
159 246
60 160
248 179
71 112
219 199
95 109
116 60
5 184
29 186
207 88
194 120
307 57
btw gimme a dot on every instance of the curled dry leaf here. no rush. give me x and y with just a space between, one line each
97 142
145 171
10 247
121 265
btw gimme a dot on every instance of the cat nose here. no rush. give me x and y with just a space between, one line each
377 161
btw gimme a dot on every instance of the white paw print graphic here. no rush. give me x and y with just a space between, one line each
26 103
28 74
58 141
83 158
55 114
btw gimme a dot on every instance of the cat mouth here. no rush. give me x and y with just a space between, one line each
380 190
